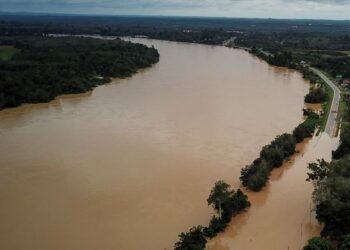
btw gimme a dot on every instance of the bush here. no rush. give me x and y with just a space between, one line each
307 128
225 201
345 243
216 225
318 243
344 147
332 196
194 239
316 95
256 175
231 202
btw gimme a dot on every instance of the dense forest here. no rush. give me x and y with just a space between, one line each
39 68
324 44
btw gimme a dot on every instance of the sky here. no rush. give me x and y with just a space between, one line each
310 9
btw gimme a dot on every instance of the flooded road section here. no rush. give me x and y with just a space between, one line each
130 165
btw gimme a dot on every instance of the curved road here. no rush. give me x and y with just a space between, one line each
331 125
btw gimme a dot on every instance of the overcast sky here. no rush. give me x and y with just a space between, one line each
316 9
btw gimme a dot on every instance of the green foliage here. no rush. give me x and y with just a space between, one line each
344 147
194 239
231 203
49 66
318 171
332 196
7 52
256 175
316 95
345 243
216 225
281 59
307 128
220 194
318 243
272 155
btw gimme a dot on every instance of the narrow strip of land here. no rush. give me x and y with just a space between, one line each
331 125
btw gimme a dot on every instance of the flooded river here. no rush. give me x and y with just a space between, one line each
130 165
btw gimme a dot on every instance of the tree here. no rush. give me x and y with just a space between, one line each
344 147
229 201
316 95
345 243
256 175
219 195
194 239
332 196
318 171
318 243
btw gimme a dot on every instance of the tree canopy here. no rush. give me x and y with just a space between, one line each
46 67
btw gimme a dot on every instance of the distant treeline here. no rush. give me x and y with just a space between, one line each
139 24
324 50
45 67
324 44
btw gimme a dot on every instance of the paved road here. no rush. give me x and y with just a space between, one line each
331 126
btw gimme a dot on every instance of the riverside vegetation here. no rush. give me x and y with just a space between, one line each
227 203
256 175
39 68
280 42
331 195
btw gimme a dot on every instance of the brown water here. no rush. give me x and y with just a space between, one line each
130 165
282 215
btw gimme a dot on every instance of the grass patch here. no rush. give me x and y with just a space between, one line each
7 52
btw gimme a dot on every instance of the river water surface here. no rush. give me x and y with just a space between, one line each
130 165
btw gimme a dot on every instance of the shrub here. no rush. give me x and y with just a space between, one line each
194 239
318 243
316 95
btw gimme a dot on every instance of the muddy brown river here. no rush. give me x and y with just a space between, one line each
130 165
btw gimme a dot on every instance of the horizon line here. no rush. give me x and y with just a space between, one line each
34 13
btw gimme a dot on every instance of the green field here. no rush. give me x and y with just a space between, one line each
7 52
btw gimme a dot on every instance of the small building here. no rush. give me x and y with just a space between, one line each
339 77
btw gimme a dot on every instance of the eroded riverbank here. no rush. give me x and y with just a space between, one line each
130 165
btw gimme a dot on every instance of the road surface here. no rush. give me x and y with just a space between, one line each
331 126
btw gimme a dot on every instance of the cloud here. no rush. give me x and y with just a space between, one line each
236 8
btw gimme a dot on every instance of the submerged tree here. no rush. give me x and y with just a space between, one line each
194 239
318 243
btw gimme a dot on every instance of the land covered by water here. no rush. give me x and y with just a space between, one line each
143 151
157 142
